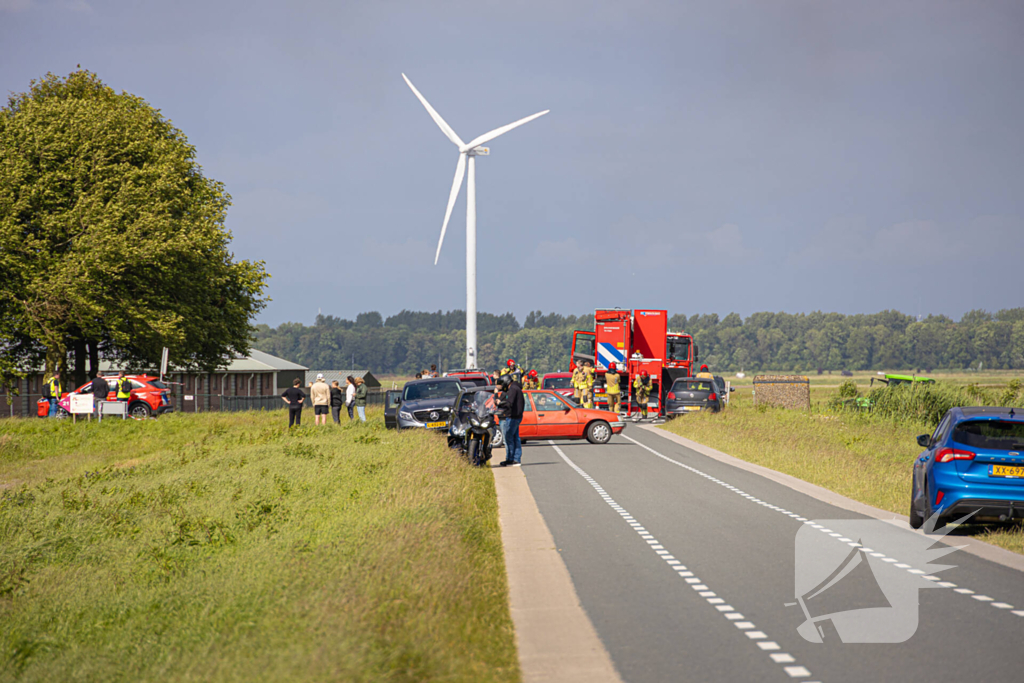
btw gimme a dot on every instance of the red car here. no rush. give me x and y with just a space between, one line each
149 396
547 415
558 382
471 378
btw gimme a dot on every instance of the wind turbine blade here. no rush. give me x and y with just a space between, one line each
441 123
487 137
460 171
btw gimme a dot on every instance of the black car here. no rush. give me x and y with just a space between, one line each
689 394
428 403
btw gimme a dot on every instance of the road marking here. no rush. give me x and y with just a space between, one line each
893 561
695 583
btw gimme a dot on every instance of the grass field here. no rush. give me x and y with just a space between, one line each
854 454
222 547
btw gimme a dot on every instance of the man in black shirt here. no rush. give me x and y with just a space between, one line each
515 401
99 389
294 397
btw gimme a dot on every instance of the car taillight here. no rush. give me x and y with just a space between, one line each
713 396
947 454
938 497
671 396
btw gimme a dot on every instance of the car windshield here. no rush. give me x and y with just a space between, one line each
558 383
692 385
427 390
678 348
157 383
1002 435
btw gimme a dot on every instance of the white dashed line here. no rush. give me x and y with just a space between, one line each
839 537
727 611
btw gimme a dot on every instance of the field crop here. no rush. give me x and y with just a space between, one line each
224 547
859 455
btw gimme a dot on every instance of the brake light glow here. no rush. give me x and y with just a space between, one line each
713 396
947 454
671 395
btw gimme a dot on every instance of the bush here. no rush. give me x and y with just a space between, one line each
848 389
929 402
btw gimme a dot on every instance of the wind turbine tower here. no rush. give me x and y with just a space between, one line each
468 152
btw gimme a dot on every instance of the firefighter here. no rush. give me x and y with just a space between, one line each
577 381
531 381
53 390
512 368
123 387
587 390
704 373
642 390
612 388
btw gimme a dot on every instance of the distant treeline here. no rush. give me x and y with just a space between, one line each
410 341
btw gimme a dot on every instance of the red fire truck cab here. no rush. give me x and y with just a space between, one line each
635 341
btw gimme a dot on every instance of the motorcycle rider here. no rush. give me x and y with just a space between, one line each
513 395
612 388
642 389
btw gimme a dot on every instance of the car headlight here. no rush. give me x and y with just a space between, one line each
406 416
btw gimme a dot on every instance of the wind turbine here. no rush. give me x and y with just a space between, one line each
467 157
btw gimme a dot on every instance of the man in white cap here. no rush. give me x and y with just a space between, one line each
321 395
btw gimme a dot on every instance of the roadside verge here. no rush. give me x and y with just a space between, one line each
970 545
555 639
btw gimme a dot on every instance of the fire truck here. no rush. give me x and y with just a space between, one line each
635 341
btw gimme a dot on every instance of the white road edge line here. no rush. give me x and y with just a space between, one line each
827 532
753 635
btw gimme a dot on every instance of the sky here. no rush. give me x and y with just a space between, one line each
718 156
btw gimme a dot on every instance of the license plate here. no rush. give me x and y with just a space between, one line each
436 425
691 408
1007 471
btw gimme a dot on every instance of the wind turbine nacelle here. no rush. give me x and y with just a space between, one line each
480 151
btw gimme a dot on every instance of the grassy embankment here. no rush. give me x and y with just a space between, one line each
222 547
861 456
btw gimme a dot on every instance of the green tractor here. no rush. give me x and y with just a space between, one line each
894 380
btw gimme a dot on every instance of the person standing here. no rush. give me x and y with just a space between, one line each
612 389
52 391
337 401
587 391
433 371
350 396
704 373
642 387
99 389
516 403
320 393
123 387
531 381
294 398
577 381
361 398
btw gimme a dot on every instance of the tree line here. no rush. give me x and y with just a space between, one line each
112 240
805 342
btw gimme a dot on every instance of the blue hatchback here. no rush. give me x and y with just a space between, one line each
974 462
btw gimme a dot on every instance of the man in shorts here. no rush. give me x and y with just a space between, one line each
321 395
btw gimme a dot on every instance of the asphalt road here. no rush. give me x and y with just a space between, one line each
685 566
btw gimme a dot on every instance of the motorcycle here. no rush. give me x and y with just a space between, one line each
473 430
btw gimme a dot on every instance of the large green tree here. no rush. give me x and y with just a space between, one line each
111 237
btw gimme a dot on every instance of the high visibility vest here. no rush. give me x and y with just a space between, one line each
124 388
55 388
588 378
611 383
641 386
577 379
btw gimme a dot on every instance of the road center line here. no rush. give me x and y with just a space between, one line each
695 583
827 532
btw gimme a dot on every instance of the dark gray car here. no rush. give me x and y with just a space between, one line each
690 394
428 403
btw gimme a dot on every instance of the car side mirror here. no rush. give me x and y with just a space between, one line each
924 441
567 409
